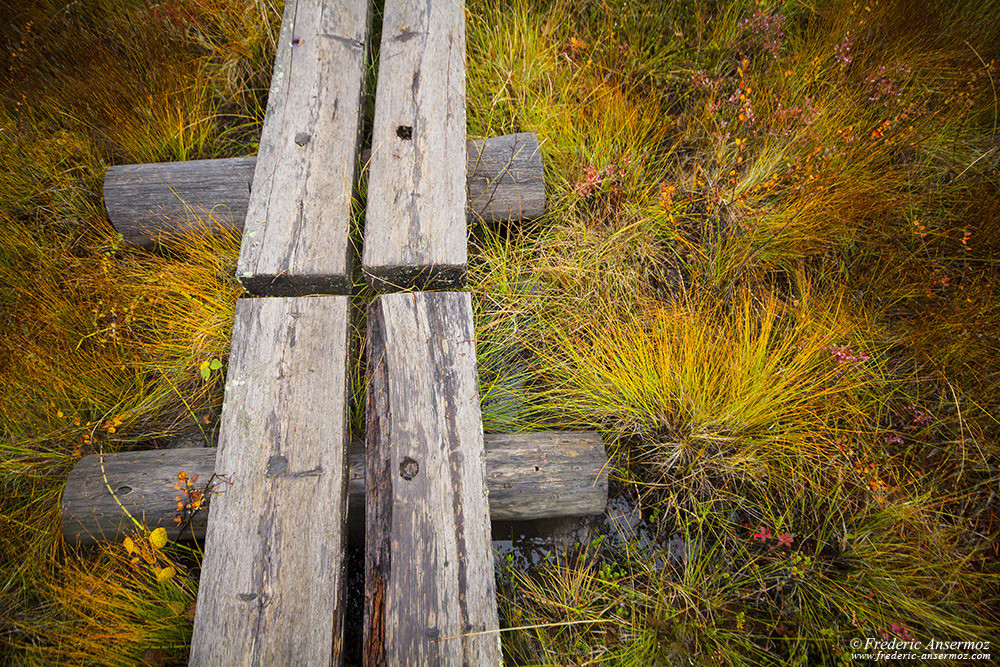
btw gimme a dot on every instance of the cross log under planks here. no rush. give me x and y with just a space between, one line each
295 238
415 227
153 203
429 588
528 475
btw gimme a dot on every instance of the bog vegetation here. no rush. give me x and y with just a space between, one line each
768 275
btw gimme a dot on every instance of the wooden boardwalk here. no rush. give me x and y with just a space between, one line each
271 588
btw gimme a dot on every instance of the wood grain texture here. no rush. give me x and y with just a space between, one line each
545 475
415 226
428 563
295 240
528 476
271 579
506 179
150 203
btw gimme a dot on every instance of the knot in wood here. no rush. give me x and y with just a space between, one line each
302 138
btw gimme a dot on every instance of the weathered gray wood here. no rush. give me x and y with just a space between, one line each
528 476
415 227
271 579
295 240
543 475
151 203
506 179
429 591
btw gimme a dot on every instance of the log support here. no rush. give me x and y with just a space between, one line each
154 203
528 476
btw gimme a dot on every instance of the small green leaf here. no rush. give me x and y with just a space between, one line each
205 372
215 365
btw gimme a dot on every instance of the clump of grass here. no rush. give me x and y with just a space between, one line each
504 287
113 608
753 381
104 352
771 305
792 585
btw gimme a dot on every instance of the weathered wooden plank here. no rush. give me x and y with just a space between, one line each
429 591
151 203
415 231
271 579
544 475
528 476
295 240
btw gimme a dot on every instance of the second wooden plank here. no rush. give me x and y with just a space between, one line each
295 240
415 232
429 589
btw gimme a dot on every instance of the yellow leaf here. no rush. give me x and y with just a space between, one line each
129 545
165 574
158 538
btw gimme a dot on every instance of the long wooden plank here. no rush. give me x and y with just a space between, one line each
528 476
415 232
271 579
429 590
151 203
295 239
